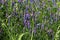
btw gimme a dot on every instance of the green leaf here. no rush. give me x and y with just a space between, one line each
21 35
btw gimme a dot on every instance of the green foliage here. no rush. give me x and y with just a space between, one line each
13 26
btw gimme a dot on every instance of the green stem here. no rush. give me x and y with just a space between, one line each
32 35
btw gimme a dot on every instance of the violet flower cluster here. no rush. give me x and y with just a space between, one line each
27 20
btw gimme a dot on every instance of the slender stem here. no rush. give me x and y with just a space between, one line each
32 35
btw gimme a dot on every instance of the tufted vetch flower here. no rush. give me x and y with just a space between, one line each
27 16
27 20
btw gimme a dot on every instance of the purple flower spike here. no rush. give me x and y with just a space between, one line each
24 21
31 1
13 4
27 16
20 1
27 20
